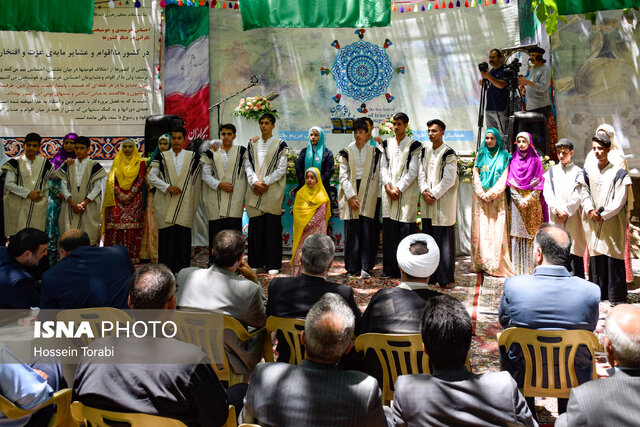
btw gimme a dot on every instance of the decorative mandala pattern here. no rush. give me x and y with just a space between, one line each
362 71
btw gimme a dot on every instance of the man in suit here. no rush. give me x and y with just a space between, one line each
87 276
315 392
614 400
294 296
220 289
569 302
452 395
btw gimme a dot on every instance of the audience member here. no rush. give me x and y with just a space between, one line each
187 390
294 296
315 392
452 395
17 286
551 298
86 276
615 400
220 289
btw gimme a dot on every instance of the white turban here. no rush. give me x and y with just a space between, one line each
418 265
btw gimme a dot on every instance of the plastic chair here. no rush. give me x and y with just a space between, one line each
561 340
88 416
62 417
290 329
95 317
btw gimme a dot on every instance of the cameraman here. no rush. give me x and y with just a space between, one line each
537 85
497 93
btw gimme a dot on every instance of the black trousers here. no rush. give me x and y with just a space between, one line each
222 224
174 247
609 274
576 266
392 233
359 244
445 237
265 241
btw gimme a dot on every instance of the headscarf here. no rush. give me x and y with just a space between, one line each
307 201
418 265
525 169
616 153
58 159
491 162
309 159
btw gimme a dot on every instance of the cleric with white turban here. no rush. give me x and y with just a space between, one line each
418 266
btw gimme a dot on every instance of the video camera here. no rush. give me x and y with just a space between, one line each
511 73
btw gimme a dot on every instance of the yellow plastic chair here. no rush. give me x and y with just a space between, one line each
291 329
95 317
249 425
202 328
62 417
561 341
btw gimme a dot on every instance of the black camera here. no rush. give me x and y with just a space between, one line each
483 67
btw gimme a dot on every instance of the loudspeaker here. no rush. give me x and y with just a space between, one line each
155 126
536 125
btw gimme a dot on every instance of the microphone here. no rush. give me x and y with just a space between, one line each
254 80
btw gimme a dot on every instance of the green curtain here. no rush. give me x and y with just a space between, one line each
571 7
315 13
56 16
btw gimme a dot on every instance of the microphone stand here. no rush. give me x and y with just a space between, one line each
254 82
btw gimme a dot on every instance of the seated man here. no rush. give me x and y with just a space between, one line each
220 289
17 287
569 302
614 400
294 296
315 393
452 395
87 276
156 376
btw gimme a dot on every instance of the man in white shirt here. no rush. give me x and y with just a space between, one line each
400 197
176 175
266 167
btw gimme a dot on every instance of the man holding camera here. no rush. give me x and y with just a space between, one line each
537 85
497 92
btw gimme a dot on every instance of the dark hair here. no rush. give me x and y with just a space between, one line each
227 247
32 137
401 116
229 126
602 139
83 140
497 51
446 331
27 239
181 130
565 143
74 241
269 116
151 286
555 243
368 120
437 122
360 124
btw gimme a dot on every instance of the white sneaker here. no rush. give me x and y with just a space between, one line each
364 274
274 272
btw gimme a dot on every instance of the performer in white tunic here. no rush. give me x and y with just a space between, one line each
400 198
563 194
605 208
360 180
26 188
438 180
81 187
176 175
266 167
225 184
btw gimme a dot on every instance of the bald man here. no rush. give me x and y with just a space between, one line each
614 400
87 276
569 302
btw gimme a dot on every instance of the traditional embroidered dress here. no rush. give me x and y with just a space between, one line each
24 176
606 192
360 177
266 161
149 245
311 215
82 186
562 190
123 213
526 182
439 174
399 216
175 213
489 235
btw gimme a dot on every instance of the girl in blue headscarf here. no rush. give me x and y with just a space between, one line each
315 155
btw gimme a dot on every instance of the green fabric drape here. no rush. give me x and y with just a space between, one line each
54 16
315 13
571 7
